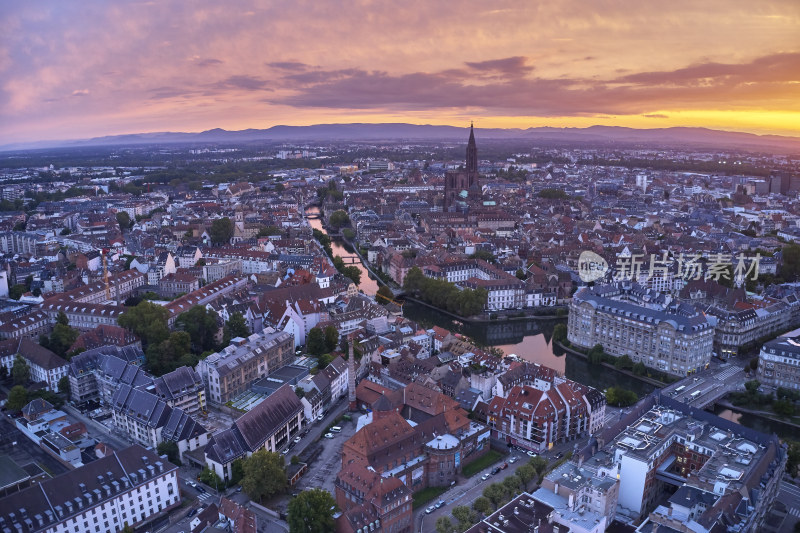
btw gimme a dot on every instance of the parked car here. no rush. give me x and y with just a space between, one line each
439 504
495 470
503 466
559 455
192 513
239 488
192 484
321 418
429 510
485 477
513 460
285 451
328 435
531 454
200 489
297 439
336 429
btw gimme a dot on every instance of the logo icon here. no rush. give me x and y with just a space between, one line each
591 266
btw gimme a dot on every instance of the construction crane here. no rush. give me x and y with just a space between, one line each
105 274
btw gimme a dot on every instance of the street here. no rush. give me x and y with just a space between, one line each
467 491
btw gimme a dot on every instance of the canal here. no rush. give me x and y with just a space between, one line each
343 250
532 340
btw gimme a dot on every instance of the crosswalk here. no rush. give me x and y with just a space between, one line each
728 373
203 496
794 512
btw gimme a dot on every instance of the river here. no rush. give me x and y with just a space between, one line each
529 339
532 340
343 250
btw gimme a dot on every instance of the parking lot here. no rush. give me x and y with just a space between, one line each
322 472
24 452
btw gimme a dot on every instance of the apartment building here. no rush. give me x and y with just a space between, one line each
505 290
230 372
149 420
182 389
128 487
95 374
370 502
648 327
270 425
45 366
779 363
725 473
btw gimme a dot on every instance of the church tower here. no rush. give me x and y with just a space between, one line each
472 154
461 187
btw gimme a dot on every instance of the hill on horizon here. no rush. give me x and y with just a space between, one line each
658 137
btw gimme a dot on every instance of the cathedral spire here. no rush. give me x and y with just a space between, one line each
472 152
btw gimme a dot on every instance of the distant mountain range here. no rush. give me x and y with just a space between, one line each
662 137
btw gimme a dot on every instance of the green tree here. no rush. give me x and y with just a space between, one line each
300 392
264 475
268 231
170 449
311 511
201 325
790 254
315 342
237 472
495 492
16 291
3 372
486 255
553 194
324 360
148 321
221 230
384 295
63 386
235 326
17 398
482 504
783 408
560 333
331 338
639 369
792 457
124 220
20 371
623 362
65 231
338 219
526 473
596 354
465 516
353 273
512 484
752 386
539 464
621 397
171 353
444 525
210 478
62 337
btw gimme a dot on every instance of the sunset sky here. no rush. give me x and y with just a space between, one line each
102 67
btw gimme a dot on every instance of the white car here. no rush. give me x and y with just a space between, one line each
485 477
513 460
530 453
297 439
320 418
429 510
328 435
192 484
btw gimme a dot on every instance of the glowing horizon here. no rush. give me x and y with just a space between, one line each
100 69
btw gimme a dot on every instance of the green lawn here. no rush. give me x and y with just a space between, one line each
424 496
491 457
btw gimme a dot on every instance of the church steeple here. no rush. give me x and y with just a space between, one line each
472 152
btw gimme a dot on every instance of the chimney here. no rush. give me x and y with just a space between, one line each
351 378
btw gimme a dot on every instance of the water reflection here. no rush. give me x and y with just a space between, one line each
532 341
343 250
784 431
